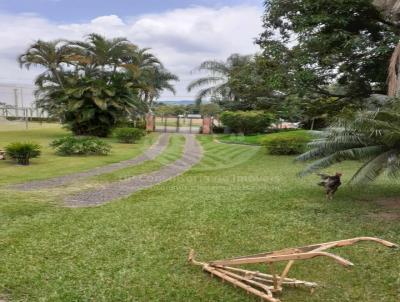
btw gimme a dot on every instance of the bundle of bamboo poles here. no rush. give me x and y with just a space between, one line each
265 285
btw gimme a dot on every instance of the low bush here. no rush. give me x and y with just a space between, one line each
139 123
128 135
23 152
246 122
80 145
218 129
290 143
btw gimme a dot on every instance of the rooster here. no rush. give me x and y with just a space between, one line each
330 183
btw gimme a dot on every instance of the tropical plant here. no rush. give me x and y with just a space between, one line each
128 135
217 82
148 73
22 152
98 51
372 137
153 81
51 55
91 85
91 106
80 145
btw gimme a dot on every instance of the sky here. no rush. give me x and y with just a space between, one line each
182 33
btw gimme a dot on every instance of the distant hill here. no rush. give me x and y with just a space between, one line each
179 102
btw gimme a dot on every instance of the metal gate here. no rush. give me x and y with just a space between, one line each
179 123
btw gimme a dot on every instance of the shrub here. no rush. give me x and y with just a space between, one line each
91 105
290 143
218 129
247 122
128 135
23 152
80 145
140 124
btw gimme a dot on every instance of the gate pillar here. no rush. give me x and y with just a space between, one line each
207 125
150 122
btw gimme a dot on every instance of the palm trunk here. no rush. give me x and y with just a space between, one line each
57 76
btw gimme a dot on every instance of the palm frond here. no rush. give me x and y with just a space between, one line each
203 82
214 67
338 156
372 168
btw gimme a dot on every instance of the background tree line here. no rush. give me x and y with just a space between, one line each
319 59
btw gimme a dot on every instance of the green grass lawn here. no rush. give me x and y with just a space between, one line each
258 138
237 201
49 164
171 154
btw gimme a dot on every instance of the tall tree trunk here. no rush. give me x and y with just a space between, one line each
389 8
391 12
394 72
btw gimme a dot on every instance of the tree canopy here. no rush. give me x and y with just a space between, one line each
325 42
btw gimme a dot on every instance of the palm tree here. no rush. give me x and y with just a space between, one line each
372 137
149 74
102 51
91 105
154 81
50 55
217 83
98 52
107 80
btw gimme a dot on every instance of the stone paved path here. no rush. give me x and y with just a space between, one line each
192 154
155 150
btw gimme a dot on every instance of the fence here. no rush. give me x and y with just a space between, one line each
17 103
23 113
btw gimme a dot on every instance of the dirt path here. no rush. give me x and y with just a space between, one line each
192 154
155 150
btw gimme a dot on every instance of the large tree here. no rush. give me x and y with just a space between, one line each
348 43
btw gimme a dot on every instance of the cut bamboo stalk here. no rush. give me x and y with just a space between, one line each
266 288
285 273
274 277
321 246
269 278
277 258
240 284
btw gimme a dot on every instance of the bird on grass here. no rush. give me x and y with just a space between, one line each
331 183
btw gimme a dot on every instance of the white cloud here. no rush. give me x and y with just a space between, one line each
182 38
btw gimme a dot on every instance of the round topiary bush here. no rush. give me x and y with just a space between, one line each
80 145
128 135
23 152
